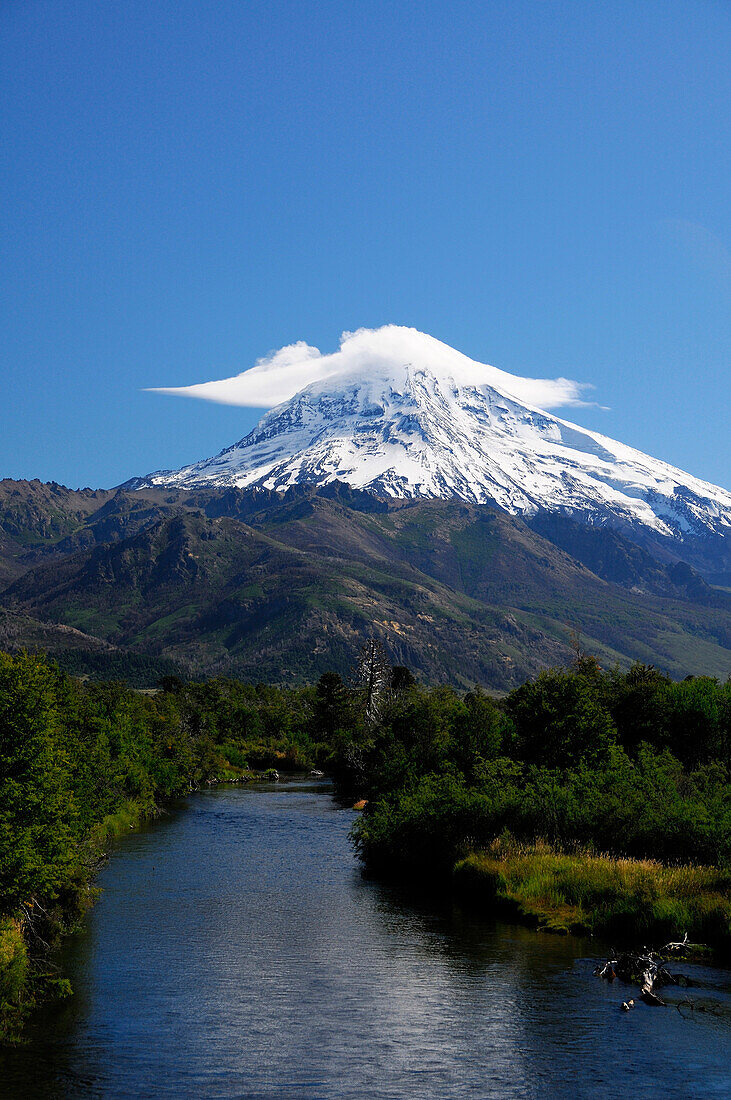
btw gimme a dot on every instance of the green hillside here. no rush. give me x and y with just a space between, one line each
282 588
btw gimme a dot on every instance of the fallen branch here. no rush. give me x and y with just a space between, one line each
646 990
647 970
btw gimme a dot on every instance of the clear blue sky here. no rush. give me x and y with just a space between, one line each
187 185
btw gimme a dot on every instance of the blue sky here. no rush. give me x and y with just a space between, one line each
188 185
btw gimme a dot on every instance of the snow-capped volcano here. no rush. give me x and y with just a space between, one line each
402 414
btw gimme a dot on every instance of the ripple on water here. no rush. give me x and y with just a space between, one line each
238 952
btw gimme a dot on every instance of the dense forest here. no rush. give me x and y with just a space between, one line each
583 799
631 763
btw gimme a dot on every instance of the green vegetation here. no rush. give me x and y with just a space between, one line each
585 799
582 892
81 763
13 967
280 587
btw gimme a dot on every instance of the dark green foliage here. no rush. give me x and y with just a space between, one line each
332 705
73 754
135 669
561 719
631 764
695 718
402 679
81 761
634 704
627 763
480 732
37 809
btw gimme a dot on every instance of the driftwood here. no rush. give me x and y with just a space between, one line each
647 969
649 978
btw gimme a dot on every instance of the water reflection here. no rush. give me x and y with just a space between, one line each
238 952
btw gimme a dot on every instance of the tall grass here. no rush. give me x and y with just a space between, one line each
13 974
583 892
128 816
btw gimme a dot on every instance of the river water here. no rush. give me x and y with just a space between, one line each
237 951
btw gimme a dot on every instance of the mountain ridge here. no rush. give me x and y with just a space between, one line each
400 491
284 586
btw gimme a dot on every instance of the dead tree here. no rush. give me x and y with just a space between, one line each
374 679
647 969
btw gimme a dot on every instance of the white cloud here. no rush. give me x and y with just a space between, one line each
383 352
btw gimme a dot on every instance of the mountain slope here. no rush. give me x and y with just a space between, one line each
283 587
224 597
405 416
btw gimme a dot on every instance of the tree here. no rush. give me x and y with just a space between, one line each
374 679
331 705
402 680
36 810
635 704
561 720
479 731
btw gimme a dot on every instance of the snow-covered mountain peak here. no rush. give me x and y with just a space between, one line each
404 415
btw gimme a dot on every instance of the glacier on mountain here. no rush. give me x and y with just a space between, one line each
401 414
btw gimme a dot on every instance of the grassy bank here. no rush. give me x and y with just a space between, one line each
27 974
27 939
627 764
589 760
129 816
82 763
13 972
626 899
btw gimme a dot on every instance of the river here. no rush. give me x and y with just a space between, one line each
237 951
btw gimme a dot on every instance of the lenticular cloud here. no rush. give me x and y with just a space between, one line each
384 352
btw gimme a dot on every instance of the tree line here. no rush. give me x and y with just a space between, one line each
627 762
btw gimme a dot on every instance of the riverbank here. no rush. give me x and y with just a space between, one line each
240 927
82 763
30 936
631 900
580 757
609 792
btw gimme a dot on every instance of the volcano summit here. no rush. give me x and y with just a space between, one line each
396 488
401 414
